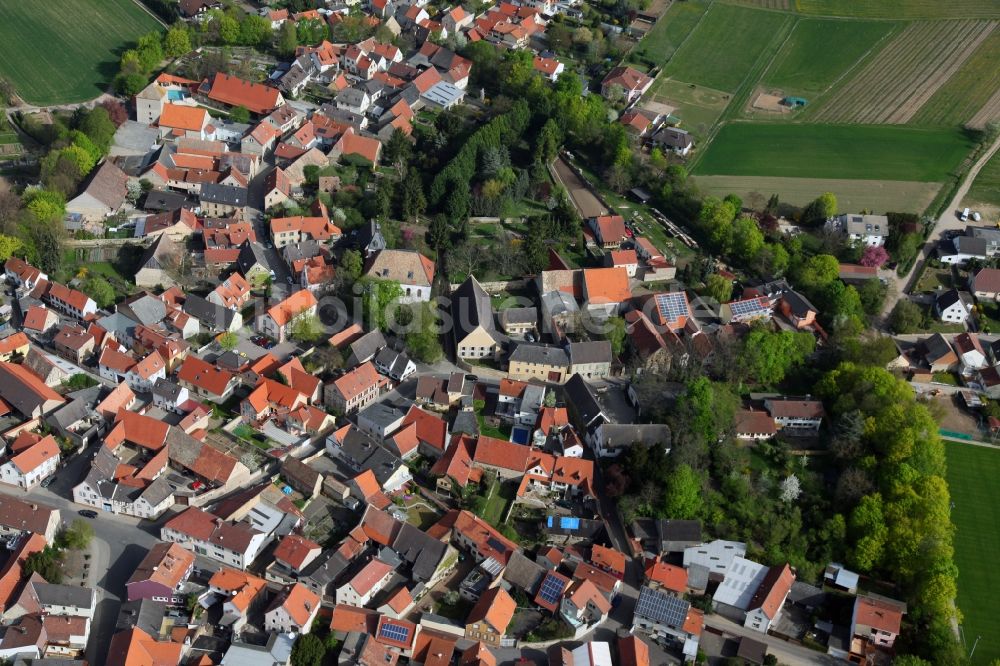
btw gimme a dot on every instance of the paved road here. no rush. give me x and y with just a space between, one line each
120 543
949 221
787 653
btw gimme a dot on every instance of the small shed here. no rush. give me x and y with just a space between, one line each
795 102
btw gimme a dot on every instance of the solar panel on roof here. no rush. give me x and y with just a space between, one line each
661 607
394 632
672 306
495 544
552 588
749 308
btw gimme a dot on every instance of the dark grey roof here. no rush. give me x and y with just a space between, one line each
307 249
540 355
252 254
144 614
971 245
937 347
381 413
18 394
395 361
524 573
518 316
471 308
595 351
51 594
364 348
951 297
227 195
422 552
144 309
465 422
622 435
798 304
210 314
167 389
583 403
158 491
751 651
370 238
365 452
679 531
325 570
299 475
673 138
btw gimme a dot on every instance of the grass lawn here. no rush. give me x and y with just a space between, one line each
968 89
57 52
499 496
932 278
806 65
986 188
897 9
725 46
698 107
974 482
871 152
660 43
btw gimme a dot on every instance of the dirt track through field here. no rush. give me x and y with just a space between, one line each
898 81
989 113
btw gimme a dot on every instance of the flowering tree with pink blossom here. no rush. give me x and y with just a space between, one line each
874 256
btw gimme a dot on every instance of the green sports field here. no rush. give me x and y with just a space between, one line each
725 46
866 152
807 65
974 482
63 51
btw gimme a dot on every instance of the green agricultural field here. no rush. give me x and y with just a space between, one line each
660 43
986 188
807 65
57 52
968 89
900 9
974 482
725 46
884 152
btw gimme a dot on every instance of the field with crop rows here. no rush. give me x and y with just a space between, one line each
875 195
986 188
968 91
900 9
725 46
897 82
60 52
807 65
869 152
882 9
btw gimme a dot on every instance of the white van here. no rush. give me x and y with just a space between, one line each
965 215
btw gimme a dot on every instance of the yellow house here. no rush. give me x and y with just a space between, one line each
12 345
541 362
476 335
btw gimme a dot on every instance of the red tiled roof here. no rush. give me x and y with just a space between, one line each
606 285
257 98
204 375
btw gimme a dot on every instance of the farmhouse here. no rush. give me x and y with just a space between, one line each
232 91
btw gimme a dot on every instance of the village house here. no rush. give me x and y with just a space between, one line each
413 271
953 306
472 315
161 575
207 381
29 467
354 390
875 623
19 516
609 230
867 230
632 84
292 611
240 594
275 322
233 544
490 617
985 283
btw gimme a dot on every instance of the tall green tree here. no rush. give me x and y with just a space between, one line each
288 39
682 495
719 288
177 41
100 290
